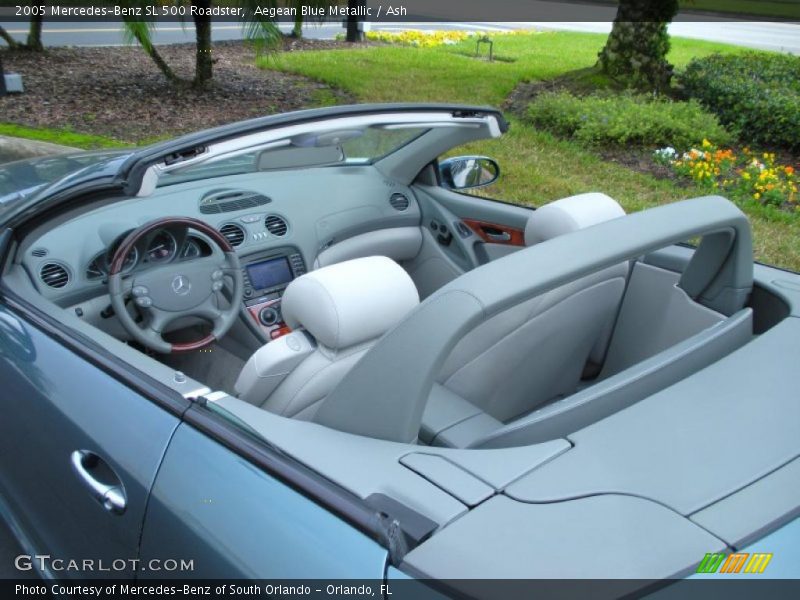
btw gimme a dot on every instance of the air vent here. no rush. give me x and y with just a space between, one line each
39 252
399 202
222 201
233 233
276 225
54 275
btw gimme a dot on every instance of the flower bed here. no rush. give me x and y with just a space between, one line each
430 39
745 174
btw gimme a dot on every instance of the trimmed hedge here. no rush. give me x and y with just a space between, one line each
626 119
757 95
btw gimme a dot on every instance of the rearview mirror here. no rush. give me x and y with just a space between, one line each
466 172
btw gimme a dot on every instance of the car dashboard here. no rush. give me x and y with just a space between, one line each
277 222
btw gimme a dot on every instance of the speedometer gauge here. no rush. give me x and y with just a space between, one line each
162 247
101 265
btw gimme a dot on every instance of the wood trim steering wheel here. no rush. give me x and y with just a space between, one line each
165 294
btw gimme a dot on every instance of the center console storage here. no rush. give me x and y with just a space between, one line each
266 275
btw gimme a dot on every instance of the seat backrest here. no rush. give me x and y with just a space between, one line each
337 313
537 351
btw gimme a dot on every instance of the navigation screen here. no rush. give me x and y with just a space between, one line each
270 273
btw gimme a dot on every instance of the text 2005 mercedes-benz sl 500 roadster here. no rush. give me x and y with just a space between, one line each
294 347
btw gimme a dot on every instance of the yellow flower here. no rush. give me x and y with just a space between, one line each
756 195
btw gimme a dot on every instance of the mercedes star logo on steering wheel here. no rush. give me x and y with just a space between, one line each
181 285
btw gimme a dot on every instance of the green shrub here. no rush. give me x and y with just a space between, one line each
626 119
756 95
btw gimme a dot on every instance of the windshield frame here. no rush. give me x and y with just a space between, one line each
179 176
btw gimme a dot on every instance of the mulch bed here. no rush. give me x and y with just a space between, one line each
118 92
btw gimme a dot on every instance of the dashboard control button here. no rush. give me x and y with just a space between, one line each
144 302
216 275
216 286
139 290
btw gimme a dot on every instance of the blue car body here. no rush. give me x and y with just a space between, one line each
198 487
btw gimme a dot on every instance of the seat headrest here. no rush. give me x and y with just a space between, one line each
350 302
570 214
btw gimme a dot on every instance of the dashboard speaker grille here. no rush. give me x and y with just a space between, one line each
222 201
54 275
233 233
39 252
399 202
276 225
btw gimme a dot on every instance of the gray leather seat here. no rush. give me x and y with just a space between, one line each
337 313
537 351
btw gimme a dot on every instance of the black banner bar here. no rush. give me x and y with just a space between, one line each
390 11
405 589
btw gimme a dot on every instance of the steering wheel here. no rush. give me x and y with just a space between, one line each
174 290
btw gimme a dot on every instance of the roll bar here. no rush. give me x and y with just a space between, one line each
384 394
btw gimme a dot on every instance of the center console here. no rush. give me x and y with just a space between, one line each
266 276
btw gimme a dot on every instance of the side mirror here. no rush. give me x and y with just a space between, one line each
466 172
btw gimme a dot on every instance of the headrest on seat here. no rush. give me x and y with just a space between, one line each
350 302
570 214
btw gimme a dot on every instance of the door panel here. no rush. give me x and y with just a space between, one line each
481 209
233 520
497 228
73 439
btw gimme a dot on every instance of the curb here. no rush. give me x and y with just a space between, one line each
13 148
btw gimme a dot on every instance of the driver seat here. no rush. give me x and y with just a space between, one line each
337 313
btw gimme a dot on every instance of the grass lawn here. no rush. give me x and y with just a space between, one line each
537 167
64 137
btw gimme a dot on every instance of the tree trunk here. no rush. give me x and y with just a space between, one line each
204 63
162 65
2 79
637 47
353 32
297 31
34 41
12 43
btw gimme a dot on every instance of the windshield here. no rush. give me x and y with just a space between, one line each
324 148
23 178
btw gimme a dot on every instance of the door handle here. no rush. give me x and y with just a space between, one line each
111 496
503 236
